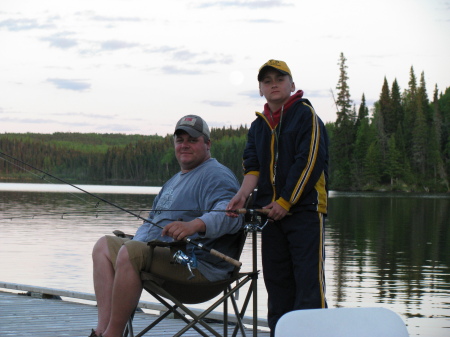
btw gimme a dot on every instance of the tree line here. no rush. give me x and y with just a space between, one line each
401 143
108 158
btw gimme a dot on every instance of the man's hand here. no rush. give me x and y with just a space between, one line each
276 211
248 185
178 230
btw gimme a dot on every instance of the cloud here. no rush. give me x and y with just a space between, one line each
117 44
28 120
85 115
218 103
318 93
70 84
115 18
110 19
61 41
16 25
252 4
184 55
160 49
214 59
172 70
118 128
253 94
265 21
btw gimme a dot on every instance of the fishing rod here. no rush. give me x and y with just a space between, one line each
236 211
186 239
97 213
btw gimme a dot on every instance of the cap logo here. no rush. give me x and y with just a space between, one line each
274 63
188 121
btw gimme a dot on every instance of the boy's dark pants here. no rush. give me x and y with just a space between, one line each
293 264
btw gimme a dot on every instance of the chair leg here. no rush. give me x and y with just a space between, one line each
199 318
128 332
173 309
251 293
225 315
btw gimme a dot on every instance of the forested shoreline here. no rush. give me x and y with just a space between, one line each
107 158
402 143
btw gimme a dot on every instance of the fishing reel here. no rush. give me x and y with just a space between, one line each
254 220
255 226
182 258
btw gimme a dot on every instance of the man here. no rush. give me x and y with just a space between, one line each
286 159
202 184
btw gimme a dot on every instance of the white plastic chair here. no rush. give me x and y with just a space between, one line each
341 322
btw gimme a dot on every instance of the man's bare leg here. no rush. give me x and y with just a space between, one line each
127 289
103 283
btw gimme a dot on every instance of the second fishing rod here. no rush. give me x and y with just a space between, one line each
186 239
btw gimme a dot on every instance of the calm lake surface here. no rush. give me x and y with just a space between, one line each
382 249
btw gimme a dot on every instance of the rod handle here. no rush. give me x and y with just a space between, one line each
222 256
259 210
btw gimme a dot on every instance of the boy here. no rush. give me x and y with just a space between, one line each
286 159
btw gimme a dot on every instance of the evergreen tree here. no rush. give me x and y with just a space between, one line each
380 133
410 111
421 145
444 107
423 100
364 137
393 167
344 103
419 142
385 110
363 111
396 105
436 158
372 165
344 133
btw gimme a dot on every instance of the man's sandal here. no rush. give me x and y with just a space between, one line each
93 334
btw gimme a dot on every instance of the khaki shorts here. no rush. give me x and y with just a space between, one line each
158 260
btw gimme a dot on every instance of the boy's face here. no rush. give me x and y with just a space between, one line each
276 87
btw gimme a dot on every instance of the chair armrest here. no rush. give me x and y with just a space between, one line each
173 244
121 234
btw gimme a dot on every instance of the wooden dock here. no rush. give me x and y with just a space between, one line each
27 312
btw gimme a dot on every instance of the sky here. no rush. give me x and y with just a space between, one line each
137 66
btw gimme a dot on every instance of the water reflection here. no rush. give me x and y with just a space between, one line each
381 250
393 251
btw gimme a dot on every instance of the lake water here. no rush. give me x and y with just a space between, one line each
382 250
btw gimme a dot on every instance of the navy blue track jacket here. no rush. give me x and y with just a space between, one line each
298 180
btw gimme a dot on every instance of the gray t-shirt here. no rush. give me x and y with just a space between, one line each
207 187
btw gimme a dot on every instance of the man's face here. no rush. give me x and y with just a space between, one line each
276 87
190 151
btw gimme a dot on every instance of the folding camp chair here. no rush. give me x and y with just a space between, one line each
175 295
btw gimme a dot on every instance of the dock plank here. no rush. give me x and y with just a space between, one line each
22 315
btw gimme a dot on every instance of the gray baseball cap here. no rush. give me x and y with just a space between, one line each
194 125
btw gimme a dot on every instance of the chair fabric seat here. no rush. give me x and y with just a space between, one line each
188 292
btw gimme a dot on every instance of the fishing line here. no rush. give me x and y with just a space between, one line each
186 239
64 215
